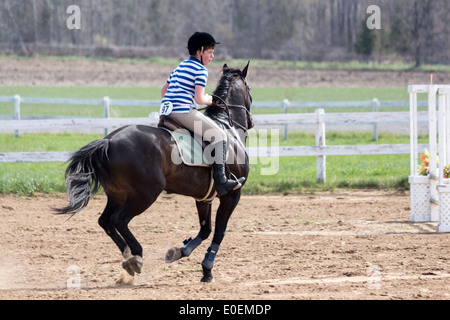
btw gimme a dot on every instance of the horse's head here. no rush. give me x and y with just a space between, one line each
232 98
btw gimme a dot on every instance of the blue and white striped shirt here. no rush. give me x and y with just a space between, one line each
182 82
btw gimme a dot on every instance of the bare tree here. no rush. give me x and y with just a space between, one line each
16 30
414 30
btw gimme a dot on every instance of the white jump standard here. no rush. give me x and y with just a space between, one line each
430 195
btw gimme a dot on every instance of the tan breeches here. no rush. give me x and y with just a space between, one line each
196 122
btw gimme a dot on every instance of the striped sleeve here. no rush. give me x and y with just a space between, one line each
201 77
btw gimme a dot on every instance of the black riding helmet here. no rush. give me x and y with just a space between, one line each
200 40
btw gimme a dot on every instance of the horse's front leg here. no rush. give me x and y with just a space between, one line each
227 205
204 215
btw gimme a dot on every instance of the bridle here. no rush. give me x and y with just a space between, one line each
227 107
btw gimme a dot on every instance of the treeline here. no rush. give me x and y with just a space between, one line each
310 30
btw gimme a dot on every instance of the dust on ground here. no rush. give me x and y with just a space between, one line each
342 245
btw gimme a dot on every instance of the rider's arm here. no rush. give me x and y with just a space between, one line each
201 98
164 90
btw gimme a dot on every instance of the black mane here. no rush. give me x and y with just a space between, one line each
224 84
221 91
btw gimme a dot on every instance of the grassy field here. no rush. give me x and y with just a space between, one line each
259 94
293 175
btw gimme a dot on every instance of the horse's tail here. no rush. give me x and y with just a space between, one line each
87 170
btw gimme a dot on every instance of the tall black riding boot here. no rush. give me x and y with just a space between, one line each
224 185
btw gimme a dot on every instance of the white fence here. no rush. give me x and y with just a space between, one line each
319 119
107 103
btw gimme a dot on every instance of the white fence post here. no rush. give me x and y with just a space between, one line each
17 111
375 107
107 107
285 111
320 142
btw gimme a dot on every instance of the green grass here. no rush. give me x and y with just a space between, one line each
79 93
124 93
258 94
30 178
293 174
290 174
45 142
298 174
329 94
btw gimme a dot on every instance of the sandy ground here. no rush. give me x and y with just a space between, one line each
64 72
347 245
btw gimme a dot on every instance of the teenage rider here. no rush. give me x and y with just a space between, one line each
185 87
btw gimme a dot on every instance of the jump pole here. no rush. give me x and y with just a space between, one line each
432 148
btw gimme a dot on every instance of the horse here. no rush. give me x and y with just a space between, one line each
134 166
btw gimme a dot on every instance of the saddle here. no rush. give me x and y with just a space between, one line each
190 145
169 123
190 149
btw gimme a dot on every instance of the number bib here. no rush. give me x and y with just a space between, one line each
166 108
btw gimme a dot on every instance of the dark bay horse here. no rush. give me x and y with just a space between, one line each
133 165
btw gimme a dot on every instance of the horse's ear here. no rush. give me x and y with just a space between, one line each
245 71
225 67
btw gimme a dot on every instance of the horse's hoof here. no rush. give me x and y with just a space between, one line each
128 268
136 263
173 254
133 265
207 276
207 279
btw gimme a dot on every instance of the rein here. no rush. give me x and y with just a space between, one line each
227 108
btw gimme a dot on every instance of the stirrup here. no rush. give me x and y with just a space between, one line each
221 190
239 181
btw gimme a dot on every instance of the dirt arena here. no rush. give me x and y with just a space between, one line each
67 72
342 245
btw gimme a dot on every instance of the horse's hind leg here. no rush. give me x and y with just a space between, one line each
133 252
113 205
204 215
